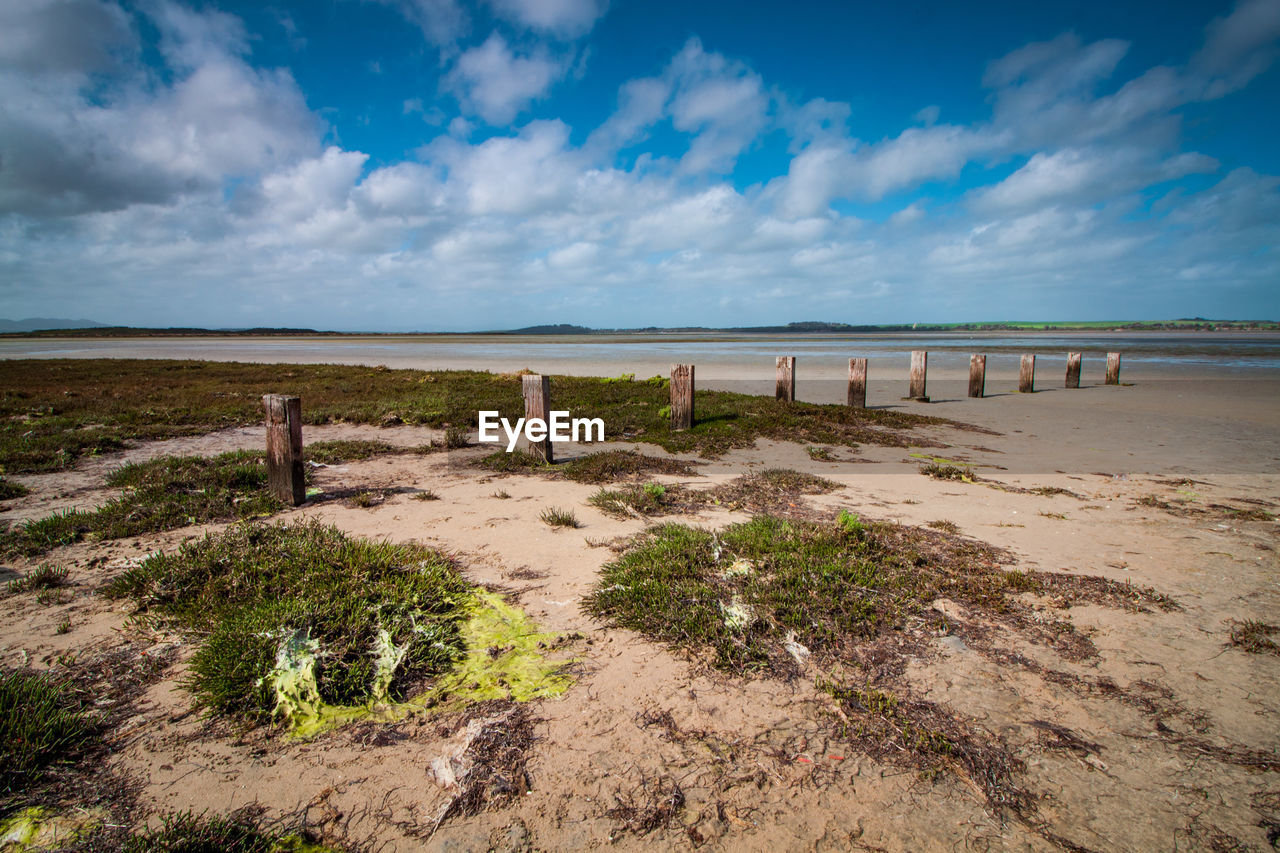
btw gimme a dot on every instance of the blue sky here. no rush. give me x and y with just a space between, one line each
436 165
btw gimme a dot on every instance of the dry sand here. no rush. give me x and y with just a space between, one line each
762 775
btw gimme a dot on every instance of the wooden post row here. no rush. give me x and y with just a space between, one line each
681 396
1027 375
1073 369
977 375
1113 368
284 448
537 404
919 367
786 385
858 383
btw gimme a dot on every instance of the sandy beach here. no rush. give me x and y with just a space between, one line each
1165 739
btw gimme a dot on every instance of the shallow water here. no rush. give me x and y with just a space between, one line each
1165 354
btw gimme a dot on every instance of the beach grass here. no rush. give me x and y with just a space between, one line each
239 832
559 517
606 466
10 489
42 722
632 500
56 411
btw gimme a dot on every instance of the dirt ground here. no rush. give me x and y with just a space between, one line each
650 746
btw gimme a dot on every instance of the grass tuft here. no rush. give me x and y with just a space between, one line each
1254 636
10 489
941 471
557 517
771 490
306 609
456 437
607 466
187 832
944 525
43 578
338 451
41 723
632 500
162 494
426 495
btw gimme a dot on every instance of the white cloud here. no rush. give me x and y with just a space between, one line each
1239 47
69 147
721 103
442 22
491 81
525 174
564 18
1087 176
77 36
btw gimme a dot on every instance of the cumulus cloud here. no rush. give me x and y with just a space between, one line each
442 22
720 103
1087 176
563 18
75 36
67 146
493 82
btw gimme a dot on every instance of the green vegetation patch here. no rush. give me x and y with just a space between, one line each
235 833
341 450
1253 635
848 602
40 828
940 471
10 489
747 594
771 490
44 578
607 466
742 593
42 722
637 500
304 625
162 494
56 411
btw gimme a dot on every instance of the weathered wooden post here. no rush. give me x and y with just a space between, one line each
284 448
1027 375
1113 368
1073 369
681 396
537 404
858 383
919 367
977 375
786 384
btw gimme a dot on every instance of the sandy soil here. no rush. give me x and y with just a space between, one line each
760 773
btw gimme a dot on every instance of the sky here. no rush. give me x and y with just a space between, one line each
440 165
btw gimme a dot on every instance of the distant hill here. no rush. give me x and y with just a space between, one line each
100 331
35 324
43 328
560 329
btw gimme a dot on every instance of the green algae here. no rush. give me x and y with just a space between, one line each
505 660
38 828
